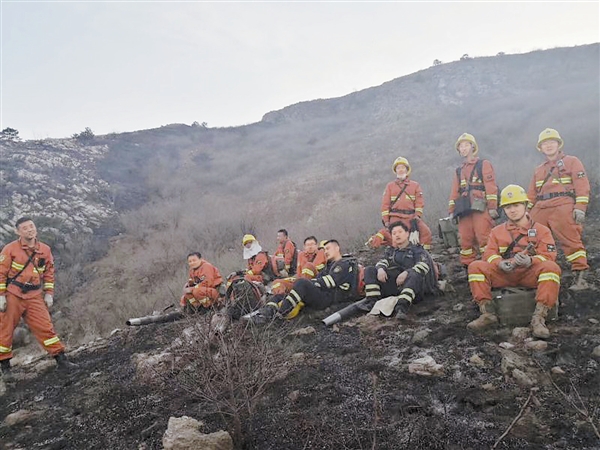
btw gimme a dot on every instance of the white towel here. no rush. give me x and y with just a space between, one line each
254 250
385 306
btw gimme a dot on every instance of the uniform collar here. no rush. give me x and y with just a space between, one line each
553 162
510 226
24 246
469 163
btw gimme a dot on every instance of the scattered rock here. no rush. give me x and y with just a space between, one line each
476 361
520 333
148 365
594 321
183 434
298 357
426 366
294 396
95 374
522 378
2 388
556 370
506 345
335 328
596 352
44 365
304 331
420 335
21 416
458 307
115 331
510 361
488 387
536 346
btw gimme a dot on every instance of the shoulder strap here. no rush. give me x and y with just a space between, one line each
508 252
548 175
10 280
477 167
399 195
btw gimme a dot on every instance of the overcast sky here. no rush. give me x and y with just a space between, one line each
124 66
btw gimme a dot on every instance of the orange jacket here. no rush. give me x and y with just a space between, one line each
480 189
39 272
409 204
286 251
205 275
317 260
504 234
560 182
257 263
382 237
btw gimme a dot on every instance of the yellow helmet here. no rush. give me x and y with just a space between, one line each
469 138
511 194
247 238
547 134
403 161
323 242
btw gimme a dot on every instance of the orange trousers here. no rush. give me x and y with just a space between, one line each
545 276
474 230
201 296
282 285
568 234
36 316
307 270
425 236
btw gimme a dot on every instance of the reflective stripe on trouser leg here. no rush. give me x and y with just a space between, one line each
372 290
407 294
479 283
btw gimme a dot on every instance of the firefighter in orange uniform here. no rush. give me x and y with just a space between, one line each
258 260
202 288
473 199
284 256
403 201
26 291
379 239
519 252
559 194
311 260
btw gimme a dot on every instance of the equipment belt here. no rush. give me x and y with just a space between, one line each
26 287
402 211
471 188
555 194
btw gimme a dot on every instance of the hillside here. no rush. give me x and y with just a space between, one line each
317 167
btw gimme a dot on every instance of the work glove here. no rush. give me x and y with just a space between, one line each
579 216
493 214
522 259
506 266
48 300
2 303
414 237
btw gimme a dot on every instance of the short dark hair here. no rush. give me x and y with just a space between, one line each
198 254
398 224
22 220
332 241
311 238
284 231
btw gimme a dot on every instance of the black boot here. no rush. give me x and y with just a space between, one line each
63 363
368 304
401 308
7 374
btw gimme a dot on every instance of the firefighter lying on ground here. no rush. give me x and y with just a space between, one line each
406 272
338 282
26 291
519 253
201 291
403 202
473 199
559 193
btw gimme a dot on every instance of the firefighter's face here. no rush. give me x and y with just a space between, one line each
248 244
465 148
193 261
549 147
401 171
516 211
310 246
332 251
27 230
281 237
399 237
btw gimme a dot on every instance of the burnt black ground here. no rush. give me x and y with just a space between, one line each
353 387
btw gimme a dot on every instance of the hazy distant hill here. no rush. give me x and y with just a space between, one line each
317 167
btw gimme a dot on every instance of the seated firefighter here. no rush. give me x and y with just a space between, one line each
259 268
202 288
519 253
380 239
311 260
338 282
403 201
406 272
285 258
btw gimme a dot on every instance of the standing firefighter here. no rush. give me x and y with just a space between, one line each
406 272
473 199
202 288
403 202
519 253
337 282
26 290
559 194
